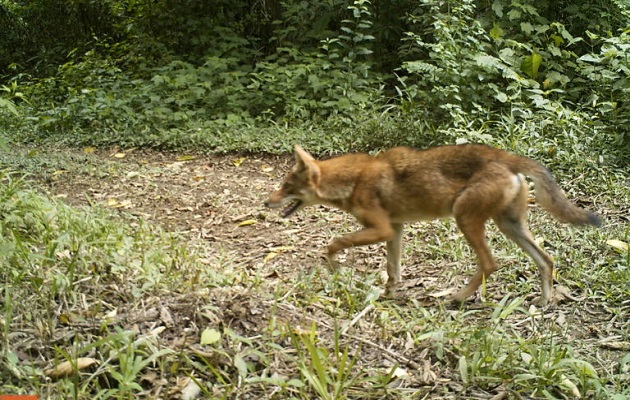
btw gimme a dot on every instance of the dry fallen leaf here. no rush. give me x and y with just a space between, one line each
622 346
275 251
111 202
238 161
191 390
157 331
398 372
270 256
247 222
64 255
66 368
618 245
298 330
120 155
88 150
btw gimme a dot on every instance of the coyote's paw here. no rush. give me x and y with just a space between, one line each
392 289
560 294
458 298
392 292
333 265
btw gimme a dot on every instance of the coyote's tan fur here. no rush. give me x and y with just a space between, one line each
473 183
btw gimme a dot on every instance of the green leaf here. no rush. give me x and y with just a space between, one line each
9 105
210 336
463 369
241 365
496 32
590 58
527 27
584 367
296 383
502 97
531 64
497 7
514 14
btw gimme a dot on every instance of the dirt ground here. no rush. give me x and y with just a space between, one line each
218 201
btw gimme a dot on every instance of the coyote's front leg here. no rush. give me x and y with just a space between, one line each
372 233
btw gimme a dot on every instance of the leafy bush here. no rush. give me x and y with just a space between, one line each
520 77
354 75
95 94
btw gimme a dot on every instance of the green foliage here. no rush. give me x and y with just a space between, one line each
53 261
447 45
340 75
514 65
37 36
41 236
13 95
95 94
539 365
329 375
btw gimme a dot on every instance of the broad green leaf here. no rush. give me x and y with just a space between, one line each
590 58
558 40
497 7
210 336
296 383
527 27
241 365
9 105
514 14
531 64
463 369
496 32
502 97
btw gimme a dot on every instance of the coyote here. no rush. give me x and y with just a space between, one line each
471 182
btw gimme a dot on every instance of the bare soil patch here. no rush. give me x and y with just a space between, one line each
218 200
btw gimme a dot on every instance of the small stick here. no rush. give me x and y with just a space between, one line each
356 319
391 353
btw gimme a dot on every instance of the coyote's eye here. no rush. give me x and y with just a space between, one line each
289 187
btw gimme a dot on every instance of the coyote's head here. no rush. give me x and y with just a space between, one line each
299 188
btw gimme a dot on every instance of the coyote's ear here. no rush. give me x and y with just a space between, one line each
304 160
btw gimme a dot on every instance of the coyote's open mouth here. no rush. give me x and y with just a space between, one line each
291 207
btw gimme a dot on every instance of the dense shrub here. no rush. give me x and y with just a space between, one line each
352 74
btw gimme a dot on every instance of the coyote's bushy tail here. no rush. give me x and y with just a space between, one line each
551 197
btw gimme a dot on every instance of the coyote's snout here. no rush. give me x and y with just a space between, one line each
473 183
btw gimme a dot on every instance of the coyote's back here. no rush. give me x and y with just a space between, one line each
446 170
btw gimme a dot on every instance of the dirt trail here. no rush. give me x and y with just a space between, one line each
219 200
